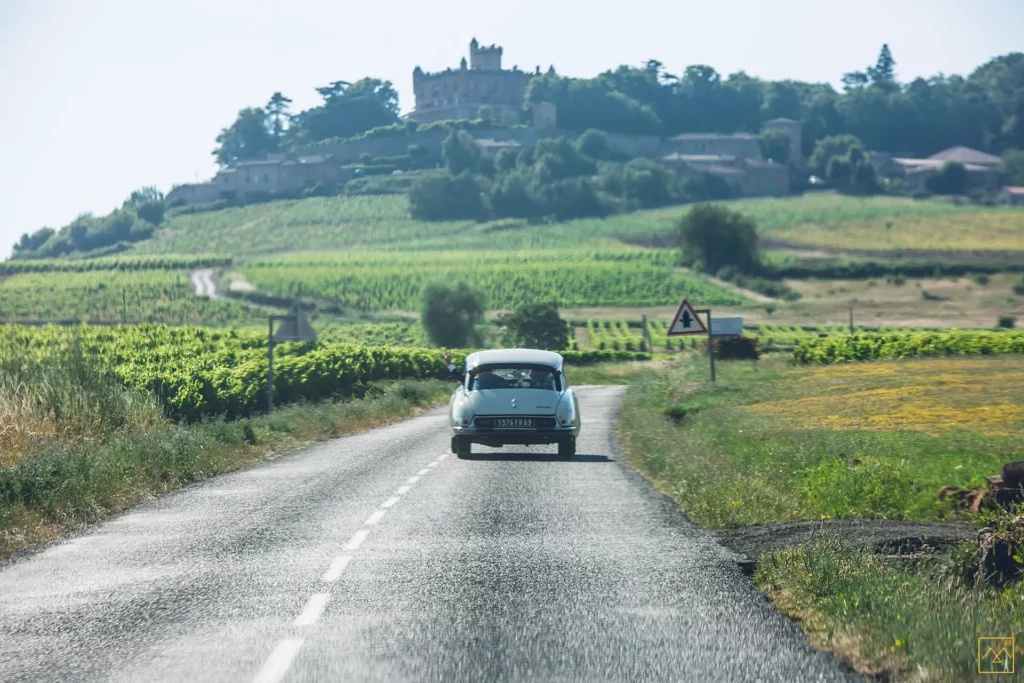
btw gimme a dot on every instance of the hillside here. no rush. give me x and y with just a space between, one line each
818 220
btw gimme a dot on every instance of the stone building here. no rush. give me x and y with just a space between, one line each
460 93
982 168
276 174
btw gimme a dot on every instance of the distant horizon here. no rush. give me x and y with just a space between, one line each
114 97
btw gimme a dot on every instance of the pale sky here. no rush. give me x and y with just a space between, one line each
103 96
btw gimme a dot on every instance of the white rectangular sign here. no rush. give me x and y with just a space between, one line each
726 327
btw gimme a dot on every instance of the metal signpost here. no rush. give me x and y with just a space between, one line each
294 328
686 321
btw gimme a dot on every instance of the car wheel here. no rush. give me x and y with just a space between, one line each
463 449
567 448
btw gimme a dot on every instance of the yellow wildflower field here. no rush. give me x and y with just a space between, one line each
982 395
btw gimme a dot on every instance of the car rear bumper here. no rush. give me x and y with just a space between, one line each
513 437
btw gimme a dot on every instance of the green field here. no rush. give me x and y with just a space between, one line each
370 281
824 219
99 296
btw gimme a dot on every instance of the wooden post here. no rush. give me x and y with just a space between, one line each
711 341
124 307
851 317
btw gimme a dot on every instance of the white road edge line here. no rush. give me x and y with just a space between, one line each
338 565
443 456
313 609
422 472
389 502
279 660
412 480
434 464
375 517
402 490
357 539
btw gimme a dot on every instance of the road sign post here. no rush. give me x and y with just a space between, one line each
294 327
711 341
686 321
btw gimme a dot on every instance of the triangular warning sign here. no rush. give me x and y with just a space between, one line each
686 322
295 327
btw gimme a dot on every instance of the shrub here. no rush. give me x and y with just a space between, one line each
1018 287
537 326
451 314
736 348
713 237
1007 321
447 197
981 279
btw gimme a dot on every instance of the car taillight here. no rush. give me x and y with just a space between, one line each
465 422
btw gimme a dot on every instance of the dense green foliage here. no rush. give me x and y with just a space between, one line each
451 313
134 221
854 347
196 372
536 325
713 237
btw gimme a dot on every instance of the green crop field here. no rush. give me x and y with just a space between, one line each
394 281
97 296
821 219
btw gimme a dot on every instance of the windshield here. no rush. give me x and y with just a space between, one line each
514 377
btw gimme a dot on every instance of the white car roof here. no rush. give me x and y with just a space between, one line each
514 357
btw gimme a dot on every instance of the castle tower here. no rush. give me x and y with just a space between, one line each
484 58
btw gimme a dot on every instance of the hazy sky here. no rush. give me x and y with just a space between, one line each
103 96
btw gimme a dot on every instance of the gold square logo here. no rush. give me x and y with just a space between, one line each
995 655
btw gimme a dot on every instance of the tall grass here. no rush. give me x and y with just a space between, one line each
66 397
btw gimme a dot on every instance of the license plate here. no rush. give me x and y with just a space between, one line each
514 422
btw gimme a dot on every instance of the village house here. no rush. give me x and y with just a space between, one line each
982 168
1011 195
276 174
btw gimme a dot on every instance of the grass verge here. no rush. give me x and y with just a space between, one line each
70 483
770 442
773 443
914 620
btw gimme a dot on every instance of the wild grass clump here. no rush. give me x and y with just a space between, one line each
62 398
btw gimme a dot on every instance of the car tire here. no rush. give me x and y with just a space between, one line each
567 448
463 448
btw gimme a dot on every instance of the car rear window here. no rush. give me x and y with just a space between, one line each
514 377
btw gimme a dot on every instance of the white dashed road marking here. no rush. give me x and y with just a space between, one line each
411 480
337 567
279 660
375 517
357 539
422 472
389 502
313 609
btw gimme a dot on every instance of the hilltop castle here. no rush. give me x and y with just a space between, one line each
460 93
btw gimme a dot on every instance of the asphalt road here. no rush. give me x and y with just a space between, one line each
202 280
382 557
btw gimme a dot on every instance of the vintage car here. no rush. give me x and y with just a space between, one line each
514 397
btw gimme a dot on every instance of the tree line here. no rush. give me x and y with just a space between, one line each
984 109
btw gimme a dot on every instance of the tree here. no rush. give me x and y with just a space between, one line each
775 145
840 170
148 204
832 146
451 314
950 179
883 71
29 243
594 144
247 138
536 326
1013 166
712 237
647 183
864 179
460 152
446 197
348 109
277 113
